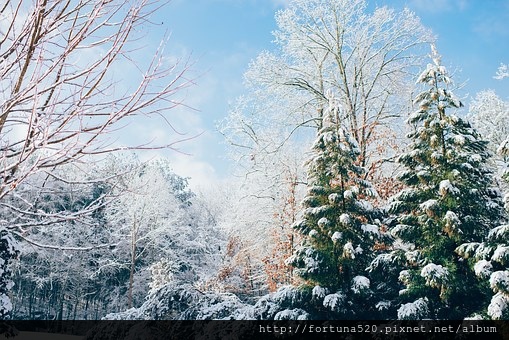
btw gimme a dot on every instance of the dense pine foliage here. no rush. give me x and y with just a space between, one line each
450 199
337 224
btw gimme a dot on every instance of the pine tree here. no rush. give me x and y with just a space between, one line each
490 260
449 201
336 225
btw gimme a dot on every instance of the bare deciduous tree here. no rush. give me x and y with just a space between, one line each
66 71
365 58
58 87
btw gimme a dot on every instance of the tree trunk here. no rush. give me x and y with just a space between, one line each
133 262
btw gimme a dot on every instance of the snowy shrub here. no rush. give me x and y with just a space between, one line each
265 308
184 302
416 310
286 298
213 306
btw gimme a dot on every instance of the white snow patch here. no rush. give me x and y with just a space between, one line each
333 198
336 236
428 205
334 301
400 229
319 292
483 269
435 275
498 306
348 194
349 251
416 310
323 222
445 187
501 254
360 284
466 250
313 233
459 139
345 219
499 233
451 218
5 304
292 314
475 158
404 276
316 211
413 257
371 229
383 305
364 205
436 156
499 281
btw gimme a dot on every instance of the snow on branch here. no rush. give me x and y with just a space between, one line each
502 72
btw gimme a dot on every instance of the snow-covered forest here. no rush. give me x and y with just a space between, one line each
363 187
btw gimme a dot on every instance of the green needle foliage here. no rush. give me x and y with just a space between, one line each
449 201
337 225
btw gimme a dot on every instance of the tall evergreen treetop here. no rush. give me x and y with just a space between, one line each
450 200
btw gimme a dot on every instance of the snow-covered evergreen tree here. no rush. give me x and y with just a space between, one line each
449 201
490 260
336 224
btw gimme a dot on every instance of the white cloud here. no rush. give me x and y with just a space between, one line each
190 162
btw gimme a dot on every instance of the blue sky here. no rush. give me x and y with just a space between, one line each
223 36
